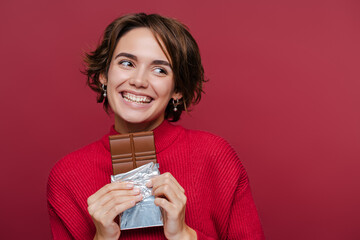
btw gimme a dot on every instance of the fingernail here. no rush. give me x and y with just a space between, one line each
129 185
149 183
136 190
139 197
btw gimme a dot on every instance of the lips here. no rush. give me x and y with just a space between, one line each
141 99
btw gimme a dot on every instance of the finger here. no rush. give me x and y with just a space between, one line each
114 198
117 194
165 186
107 214
165 178
108 188
167 206
177 198
118 205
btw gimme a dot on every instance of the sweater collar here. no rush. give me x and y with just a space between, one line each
164 135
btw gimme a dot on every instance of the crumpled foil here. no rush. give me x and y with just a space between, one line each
145 213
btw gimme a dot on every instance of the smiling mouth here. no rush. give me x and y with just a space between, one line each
129 97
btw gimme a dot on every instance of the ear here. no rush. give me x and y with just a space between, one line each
176 95
103 79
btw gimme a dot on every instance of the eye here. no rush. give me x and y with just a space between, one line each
126 63
160 71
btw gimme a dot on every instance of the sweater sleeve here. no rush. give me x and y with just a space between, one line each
231 212
68 218
244 222
202 236
58 229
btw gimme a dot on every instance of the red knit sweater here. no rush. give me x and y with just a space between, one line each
219 201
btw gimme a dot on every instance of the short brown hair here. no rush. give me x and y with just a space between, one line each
181 50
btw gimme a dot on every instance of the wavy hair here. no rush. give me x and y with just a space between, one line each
180 48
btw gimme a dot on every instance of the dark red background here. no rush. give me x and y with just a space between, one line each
284 91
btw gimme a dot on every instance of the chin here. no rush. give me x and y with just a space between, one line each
138 118
129 114
134 119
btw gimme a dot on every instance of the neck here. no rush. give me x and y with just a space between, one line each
122 126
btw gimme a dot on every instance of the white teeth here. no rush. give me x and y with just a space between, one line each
134 98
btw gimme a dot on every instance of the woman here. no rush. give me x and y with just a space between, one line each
148 70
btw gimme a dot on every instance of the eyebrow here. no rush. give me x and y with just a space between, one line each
131 56
128 55
161 62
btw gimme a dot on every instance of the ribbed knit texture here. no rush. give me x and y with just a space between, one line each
219 201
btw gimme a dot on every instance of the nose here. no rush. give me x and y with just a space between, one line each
139 79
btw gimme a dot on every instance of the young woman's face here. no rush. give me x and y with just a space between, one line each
140 81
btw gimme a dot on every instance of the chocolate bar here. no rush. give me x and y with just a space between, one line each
132 150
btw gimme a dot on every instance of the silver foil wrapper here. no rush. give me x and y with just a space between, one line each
145 213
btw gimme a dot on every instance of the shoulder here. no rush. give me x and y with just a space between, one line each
213 143
218 158
213 147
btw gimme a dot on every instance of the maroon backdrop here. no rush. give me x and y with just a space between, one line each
284 91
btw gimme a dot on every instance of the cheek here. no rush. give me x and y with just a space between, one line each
164 88
116 78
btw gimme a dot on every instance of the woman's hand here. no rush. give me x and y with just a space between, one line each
107 203
170 196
